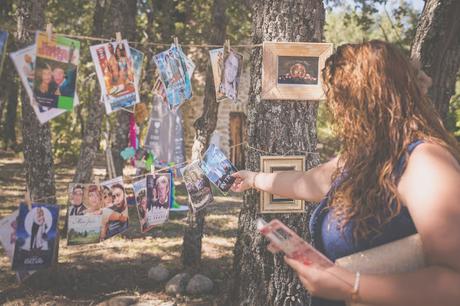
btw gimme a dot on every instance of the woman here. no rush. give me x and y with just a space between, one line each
397 174
94 201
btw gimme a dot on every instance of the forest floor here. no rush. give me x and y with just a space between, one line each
95 273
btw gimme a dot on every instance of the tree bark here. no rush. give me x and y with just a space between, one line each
122 14
277 127
437 46
109 17
38 155
10 92
204 127
92 129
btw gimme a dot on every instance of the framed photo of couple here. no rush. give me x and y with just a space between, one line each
271 203
292 70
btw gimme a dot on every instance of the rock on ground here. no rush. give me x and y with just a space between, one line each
177 284
199 284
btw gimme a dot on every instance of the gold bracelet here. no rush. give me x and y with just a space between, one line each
354 293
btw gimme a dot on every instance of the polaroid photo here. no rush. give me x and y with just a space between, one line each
218 168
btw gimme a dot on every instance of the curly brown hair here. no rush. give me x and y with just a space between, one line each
379 108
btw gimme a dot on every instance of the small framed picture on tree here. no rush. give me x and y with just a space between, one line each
271 203
292 70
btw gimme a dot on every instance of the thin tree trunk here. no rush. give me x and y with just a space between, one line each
204 127
38 155
123 17
109 17
11 90
92 130
278 127
437 46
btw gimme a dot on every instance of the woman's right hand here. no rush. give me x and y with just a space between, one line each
244 180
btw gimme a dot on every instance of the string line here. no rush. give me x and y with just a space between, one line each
93 38
188 161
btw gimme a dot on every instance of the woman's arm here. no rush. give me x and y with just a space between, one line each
430 189
310 186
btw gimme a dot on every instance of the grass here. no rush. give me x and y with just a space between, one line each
89 274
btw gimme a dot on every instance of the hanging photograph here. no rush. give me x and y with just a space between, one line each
158 198
56 66
176 77
8 227
86 203
24 61
217 63
218 168
197 185
271 203
138 61
3 44
115 211
116 75
140 193
292 70
297 70
231 74
36 237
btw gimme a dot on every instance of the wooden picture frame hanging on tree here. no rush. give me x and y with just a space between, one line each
270 203
292 70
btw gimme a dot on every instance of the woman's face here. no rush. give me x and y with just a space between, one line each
107 197
46 76
93 198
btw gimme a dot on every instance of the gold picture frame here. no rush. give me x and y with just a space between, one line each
292 70
270 203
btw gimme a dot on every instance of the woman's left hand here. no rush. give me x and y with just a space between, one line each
334 283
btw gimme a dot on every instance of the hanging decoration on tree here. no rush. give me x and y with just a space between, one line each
24 61
55 76
8 227
197 185
3 45
36 237
175 71
115 72
86 204
140 193
216 57
231 73
218 168
158 198
138 60
115 214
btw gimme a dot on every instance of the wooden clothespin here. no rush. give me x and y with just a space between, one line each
96 180
27 199
176 41
227 45
118 36
49 30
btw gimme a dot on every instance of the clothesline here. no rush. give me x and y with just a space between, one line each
188 161
159 44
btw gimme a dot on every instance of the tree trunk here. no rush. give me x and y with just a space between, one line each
278 127
204 127
92 129
10 100
123 16
38 155
437 46
109 17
